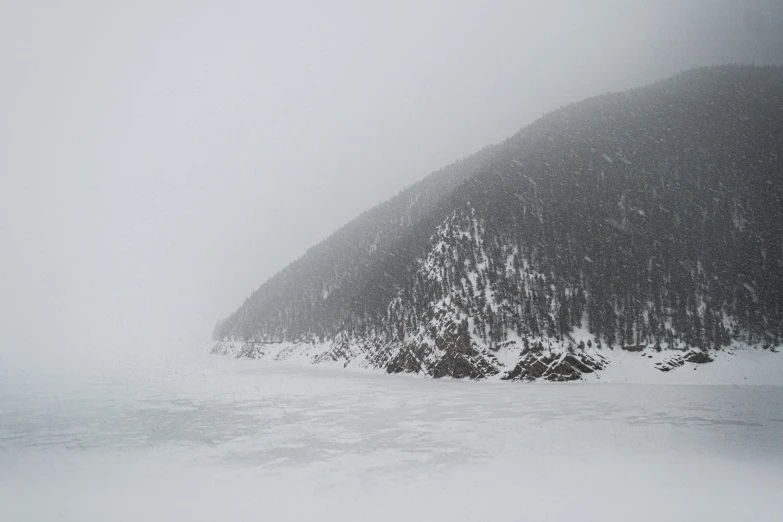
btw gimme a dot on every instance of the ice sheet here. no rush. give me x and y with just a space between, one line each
222 439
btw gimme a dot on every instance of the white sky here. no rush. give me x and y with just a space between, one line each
160 159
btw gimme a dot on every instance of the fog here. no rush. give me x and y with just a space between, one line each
160 160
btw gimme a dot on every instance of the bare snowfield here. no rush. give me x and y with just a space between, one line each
207 439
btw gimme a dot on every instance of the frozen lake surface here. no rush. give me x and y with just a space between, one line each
221 439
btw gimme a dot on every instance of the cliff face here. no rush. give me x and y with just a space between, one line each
649 221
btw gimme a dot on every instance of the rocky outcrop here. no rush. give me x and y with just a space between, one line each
451 356
536 364
698 357
676 361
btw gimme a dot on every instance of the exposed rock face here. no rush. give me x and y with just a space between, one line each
451 357
444 349
537 365
698 357
676 361
670 363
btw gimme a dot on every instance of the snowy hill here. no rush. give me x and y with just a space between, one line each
647 224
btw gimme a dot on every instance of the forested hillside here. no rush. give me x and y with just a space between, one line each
646 220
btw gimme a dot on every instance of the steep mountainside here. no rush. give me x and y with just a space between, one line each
646 221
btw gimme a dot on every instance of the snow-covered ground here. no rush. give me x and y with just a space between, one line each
213 438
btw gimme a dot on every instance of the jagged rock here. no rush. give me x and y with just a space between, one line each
676 361
698 358
409 359
670 364
555 367
449 352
